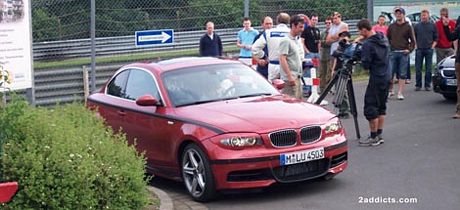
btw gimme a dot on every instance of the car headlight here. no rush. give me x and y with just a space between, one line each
241 141
332 126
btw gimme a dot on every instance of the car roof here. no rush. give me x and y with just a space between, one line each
178 63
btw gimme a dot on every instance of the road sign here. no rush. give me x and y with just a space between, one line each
154 37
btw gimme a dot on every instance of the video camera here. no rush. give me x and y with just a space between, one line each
348 53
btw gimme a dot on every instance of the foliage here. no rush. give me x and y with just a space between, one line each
67 159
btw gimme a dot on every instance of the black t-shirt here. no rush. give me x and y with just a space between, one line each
311 36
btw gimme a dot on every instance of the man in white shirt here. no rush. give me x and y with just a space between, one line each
272 39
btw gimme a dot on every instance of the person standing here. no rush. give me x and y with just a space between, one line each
245 40
262 63
402 42
271 39
380 26
210 43
332 38
444 46
375 58
455 35
311 39
291 55
325 53
426 35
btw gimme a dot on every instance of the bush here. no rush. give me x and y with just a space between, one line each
67 159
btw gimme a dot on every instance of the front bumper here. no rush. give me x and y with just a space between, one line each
440 85
262 168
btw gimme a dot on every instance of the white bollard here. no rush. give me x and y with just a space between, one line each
314 88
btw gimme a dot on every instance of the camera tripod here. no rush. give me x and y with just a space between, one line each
344 84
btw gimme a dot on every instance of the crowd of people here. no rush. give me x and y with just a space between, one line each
280 51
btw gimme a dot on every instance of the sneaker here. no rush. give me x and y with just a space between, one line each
400 96
418 88
427 88
344 115
367 142
379 141
407 81
391 93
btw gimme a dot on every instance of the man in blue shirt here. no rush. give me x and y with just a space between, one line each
244 41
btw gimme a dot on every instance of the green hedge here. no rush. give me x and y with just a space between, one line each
66 158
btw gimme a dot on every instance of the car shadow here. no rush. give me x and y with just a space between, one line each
272 193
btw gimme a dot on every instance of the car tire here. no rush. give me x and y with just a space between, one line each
196 174
450 97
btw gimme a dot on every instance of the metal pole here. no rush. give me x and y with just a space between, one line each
93 45
246 8
370 10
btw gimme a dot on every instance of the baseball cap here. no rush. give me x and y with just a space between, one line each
345 33
400 9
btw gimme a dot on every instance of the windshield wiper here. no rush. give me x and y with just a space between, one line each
206 101
255 94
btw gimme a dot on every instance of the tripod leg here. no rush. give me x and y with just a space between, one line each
327 89
353 109
341 87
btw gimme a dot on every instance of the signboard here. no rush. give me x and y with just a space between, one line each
15 43
154 37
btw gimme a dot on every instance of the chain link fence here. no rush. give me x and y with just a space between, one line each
55 20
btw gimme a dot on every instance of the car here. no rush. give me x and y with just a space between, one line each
413 17
444 79
217 125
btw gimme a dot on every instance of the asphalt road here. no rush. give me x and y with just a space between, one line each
419 160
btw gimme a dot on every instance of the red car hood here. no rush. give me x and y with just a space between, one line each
261 115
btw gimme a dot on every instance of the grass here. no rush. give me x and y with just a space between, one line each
125 58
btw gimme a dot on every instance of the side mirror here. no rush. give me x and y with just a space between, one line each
147 100
278 84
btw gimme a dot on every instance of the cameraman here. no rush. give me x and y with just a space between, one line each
375 57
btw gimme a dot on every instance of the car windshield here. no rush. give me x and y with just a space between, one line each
204 84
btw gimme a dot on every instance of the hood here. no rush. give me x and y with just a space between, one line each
379 39
258 114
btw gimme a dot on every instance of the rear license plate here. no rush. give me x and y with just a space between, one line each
451 82
301 156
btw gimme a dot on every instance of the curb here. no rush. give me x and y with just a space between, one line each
165 201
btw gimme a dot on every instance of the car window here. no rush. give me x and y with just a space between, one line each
140 83
118 84
203 84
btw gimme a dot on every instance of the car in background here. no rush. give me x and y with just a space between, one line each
413 17
444 79
218 124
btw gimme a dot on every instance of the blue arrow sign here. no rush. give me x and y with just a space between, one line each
154 37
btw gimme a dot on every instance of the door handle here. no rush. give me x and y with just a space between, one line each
121 112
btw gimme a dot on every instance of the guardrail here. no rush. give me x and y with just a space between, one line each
126 44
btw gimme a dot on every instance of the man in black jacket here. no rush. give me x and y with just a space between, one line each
375 57
210 43
452 37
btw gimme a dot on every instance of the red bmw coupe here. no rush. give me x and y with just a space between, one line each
217 124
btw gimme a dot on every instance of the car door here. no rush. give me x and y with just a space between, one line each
148 126
114 96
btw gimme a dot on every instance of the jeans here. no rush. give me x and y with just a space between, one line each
311 55
420 55
398 64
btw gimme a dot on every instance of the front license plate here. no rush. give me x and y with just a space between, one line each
451 82
301 156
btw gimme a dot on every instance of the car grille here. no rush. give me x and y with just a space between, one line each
283 138
448 73
302 171
310 134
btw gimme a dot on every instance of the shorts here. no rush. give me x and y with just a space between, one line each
375 99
